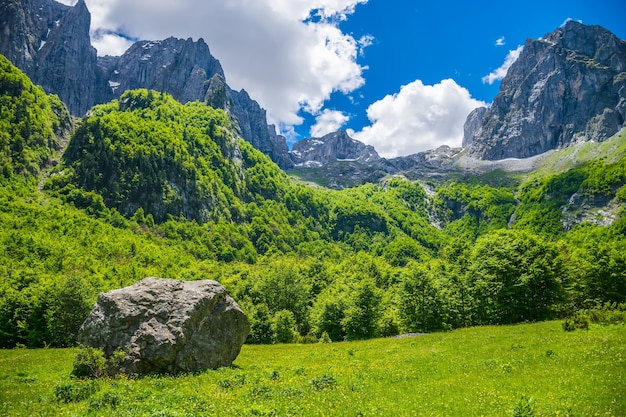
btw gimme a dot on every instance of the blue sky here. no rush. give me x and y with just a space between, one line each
400 75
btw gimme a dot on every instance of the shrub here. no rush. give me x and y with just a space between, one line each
325 338
92 363
524 408
323 382
73 392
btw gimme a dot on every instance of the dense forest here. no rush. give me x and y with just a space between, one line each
147 186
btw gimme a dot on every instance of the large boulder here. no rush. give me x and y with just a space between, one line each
167 326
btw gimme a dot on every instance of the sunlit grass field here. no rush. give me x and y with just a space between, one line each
523 370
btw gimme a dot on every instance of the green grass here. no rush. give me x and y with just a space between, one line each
612 150
490 371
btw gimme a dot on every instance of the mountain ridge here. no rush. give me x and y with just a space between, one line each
566 87
58 55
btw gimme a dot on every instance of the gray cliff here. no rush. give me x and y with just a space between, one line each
176 66
569 86
336 146
187 70
50 42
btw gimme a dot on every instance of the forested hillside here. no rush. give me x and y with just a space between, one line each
151 187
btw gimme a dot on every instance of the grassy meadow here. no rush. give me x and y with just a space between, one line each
521 370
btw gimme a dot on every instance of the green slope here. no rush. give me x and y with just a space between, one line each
149 186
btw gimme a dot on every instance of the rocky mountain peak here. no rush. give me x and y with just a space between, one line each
594 42
566 87
67 63
177 66
336 146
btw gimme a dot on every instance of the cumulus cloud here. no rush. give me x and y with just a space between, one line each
289 55
500 73
418 118
500 41
327 122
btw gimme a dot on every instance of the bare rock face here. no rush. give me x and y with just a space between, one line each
569 86
336 146
176 66
50 42
472 123
167 326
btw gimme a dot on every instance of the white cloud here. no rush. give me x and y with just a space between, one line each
290 55
328 121
500 41
500 73
418 118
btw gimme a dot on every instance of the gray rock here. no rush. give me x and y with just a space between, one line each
187 70
472 123
569 86
67 63
26 27
50 42
336 146
176 66
167 326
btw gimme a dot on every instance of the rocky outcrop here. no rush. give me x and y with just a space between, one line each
336 146
187 70
67 63
472 123
26 26
167 326
569 86
50 42
176 66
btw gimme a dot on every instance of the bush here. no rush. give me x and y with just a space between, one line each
524 408
323 382
92 363
73 392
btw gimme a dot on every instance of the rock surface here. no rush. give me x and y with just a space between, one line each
472 123
50 42
569 86
336 146
167 326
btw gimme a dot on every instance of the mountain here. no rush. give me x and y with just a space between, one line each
566 87
332 147
187 70
50 42
33 126
149 186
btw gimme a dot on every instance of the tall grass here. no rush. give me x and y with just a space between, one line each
524 370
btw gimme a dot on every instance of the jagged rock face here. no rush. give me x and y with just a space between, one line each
472 123
50 42
26 26
176 66
568 87
67 63
167 326
336 146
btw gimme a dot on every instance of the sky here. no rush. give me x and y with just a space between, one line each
401 75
